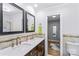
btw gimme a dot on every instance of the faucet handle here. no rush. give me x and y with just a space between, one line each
19 40
26 37
12 43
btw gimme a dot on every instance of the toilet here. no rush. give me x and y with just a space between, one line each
73 48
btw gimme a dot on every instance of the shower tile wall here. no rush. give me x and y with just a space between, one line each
50 29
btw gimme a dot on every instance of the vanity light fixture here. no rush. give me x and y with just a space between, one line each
35 5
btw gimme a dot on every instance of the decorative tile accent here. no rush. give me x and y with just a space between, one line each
11 41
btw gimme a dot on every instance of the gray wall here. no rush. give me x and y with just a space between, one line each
50 29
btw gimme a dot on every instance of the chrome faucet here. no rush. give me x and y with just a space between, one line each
12 43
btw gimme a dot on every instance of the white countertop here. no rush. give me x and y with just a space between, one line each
22 49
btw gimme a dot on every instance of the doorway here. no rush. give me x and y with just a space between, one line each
54 35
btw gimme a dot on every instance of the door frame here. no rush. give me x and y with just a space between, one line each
61 34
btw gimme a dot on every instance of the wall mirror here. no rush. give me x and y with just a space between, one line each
12 18
30 23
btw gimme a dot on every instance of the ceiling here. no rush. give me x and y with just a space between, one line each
40 5
9 9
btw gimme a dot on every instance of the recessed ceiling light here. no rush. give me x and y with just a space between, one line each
35 5
53 16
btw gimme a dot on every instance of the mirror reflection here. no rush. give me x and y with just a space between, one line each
30 22
12 18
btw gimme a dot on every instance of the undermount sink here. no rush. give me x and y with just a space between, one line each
30 42
26 43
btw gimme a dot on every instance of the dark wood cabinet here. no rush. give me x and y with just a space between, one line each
39 50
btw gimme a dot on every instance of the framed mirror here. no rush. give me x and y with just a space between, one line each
30 23
0 18
12 20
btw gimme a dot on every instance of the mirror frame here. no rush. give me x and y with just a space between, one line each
26 22
1 19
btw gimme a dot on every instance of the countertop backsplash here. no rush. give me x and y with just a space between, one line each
14 40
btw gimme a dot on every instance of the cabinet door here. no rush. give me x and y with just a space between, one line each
33 52
41 49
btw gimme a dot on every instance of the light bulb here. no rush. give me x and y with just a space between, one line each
35 5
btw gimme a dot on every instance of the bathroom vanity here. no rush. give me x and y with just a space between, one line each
33 47
38 50
16 27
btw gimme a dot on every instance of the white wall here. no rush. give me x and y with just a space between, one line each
41 18
28 8
69 18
